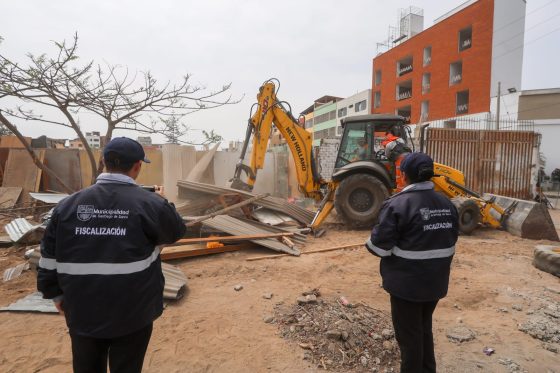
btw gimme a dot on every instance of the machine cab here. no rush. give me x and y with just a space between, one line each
363 137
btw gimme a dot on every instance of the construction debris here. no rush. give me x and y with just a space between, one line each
22 231
235 226
14 272
337 338
175 282
190 190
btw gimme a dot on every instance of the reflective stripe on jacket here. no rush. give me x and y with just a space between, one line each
415 238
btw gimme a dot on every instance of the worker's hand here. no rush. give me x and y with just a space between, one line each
59 307
159 190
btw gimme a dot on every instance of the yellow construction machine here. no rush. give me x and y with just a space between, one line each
359 185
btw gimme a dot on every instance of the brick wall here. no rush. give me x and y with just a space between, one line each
443 38
326 157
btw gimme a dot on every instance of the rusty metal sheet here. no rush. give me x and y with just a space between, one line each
498 162
20 171
65 163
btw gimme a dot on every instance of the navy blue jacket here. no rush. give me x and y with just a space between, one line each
99 252
415 238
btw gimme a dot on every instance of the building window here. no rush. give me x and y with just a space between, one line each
309 123
404 90
465 38
426 81
405 112
424 111
404 66
427 56
339 131
462 102
377 77
342 112
377 99
360 106
325 117
455 73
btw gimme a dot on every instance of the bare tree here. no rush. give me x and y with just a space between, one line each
123 100
173 130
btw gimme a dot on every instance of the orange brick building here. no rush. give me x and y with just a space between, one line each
452 68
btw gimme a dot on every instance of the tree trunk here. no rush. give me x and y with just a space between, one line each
31 152
108 136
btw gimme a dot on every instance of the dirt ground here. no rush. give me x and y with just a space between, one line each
214 328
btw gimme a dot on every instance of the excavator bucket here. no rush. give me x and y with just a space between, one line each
526 219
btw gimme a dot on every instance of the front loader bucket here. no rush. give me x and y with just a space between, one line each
527 219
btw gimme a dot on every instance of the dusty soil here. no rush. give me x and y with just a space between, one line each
493 288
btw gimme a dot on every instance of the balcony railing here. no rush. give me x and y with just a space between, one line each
405 70
456 79
404 95
466 44
462 109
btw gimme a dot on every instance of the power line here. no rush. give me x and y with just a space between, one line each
524 16
527 43
529 29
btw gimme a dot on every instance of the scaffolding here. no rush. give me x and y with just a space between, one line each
410 21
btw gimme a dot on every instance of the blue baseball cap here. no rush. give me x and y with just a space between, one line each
414 162
126 150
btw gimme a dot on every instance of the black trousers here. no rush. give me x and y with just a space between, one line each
126 353
412 322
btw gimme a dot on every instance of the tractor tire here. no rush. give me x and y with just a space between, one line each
358 200
469 214
547 258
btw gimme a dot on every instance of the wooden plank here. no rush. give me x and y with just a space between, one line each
9 196
22 172
65 163
232 238
307 252
188 251
85 166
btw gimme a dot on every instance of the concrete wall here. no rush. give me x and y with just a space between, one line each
541 104
507 44
550 148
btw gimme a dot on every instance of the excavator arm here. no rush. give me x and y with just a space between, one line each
271 111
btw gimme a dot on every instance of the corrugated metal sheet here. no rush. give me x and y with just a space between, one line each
14 272
175 282
236 227
498 162
32 303
22 231
49 197
273 203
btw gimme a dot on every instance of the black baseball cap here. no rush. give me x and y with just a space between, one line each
126 150
414 162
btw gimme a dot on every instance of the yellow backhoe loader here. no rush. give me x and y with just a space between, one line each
364 176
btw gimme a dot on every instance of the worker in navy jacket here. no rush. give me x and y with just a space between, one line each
415 238
100 263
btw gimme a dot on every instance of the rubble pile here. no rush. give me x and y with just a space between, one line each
544 324
336 335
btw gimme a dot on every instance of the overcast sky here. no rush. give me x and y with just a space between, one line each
314 47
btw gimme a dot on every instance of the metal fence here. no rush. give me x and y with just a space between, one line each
486 122
499 162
